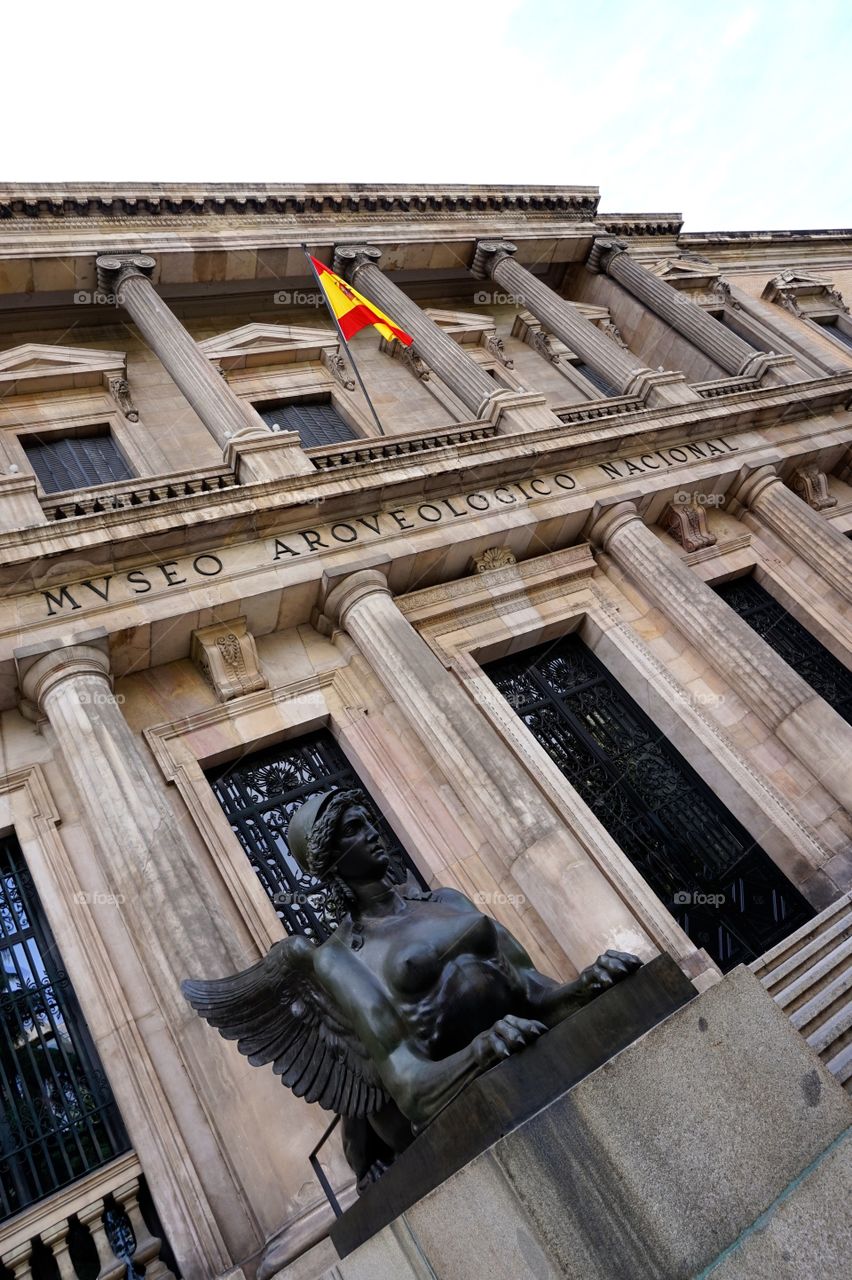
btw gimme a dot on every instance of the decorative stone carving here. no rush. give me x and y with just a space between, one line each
226 656
120 389
722 289
801 293
417 366
811 484
686 522
543 343
494 558
336 365
494 346
607 327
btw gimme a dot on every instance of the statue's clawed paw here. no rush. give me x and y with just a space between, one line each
506 1037
611 967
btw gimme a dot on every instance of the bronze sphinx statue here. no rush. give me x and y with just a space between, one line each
414 995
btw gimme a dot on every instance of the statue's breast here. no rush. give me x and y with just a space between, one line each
431 943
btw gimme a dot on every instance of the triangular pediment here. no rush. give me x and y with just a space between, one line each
464 326
802 291
685 273
38 366
257 344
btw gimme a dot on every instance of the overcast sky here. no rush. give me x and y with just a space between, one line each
734 114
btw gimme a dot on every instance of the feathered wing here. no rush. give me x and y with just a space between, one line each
278 1012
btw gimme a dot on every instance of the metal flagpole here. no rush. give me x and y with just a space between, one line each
346 345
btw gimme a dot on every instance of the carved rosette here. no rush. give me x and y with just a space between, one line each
226 656
811 485
686 522
494 558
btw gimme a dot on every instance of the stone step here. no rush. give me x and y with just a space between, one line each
841 1066
815 978
831 1031
822 1004
779 954
796 965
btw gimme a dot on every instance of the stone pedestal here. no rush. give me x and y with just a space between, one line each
717 1144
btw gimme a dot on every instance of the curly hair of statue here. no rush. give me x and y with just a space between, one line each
321 855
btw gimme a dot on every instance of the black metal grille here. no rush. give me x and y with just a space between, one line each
58 1118
597 379
260 795
76 462
794 643
720 886
316 422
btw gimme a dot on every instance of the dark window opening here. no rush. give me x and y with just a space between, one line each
721 887
597 379
259 795
794 643
58 1119
316 421
75 462
834 329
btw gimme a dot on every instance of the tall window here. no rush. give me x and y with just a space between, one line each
75 462
833 326
824 673
58 1119
260 794
317 421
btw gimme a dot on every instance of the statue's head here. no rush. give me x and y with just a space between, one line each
333 837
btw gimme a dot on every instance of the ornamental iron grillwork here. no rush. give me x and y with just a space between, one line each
259 796
794 643
723 890
58 1119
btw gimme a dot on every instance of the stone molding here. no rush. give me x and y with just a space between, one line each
35 367
40 675
355 586
801 293
226 655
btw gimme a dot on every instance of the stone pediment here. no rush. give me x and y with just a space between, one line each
463 325
36 367
686 273
264 344
800 292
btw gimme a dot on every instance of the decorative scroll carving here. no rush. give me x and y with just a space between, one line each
686 522
120 389
336 365
607 327
415 363
226 656
801 293
543 343
494 346
722 289
811 484
494 558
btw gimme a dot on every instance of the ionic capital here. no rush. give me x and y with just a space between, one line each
487 254
602 252
755 484
40 674
608 522
350 258
114 268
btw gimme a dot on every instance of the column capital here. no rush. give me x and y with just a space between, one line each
349 258
602 252
605 523
754 484
113 268
343 595
40 670
487 254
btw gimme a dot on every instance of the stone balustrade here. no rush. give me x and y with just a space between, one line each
96 1221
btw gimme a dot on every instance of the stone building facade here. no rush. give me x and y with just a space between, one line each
577 620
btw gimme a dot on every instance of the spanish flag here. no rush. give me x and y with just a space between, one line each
352 309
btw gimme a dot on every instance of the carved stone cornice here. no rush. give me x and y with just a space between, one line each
686 522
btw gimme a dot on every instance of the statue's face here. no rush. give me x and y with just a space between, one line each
360 853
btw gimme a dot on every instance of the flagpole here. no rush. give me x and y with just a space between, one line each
346 345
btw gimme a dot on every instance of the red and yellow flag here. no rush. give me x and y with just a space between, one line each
352 309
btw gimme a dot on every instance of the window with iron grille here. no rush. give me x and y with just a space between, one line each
803 652
75 462
58 1119
260 794
317 421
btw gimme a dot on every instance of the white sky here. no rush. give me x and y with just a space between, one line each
737 115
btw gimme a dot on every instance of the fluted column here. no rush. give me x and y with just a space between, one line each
619 367
812 730
723 346
230 421
545 859
804 530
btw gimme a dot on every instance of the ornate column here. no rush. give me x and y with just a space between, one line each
521 411
797 522
812 730
726 348
620 368
171 925
544 857
249 445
